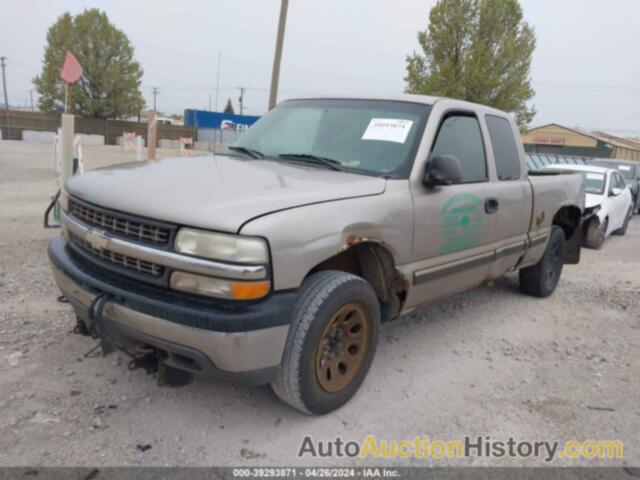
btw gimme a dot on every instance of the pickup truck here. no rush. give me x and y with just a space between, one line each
277 261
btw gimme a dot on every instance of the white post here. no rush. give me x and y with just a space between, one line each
139 146
66 148
78 148
56 152
152 130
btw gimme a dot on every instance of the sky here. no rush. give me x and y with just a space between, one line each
585 70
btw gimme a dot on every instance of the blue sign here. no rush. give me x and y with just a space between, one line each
218 120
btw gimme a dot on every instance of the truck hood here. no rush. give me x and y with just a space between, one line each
215 192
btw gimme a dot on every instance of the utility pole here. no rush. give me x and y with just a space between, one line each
6 98
241 99
218 81
275 74
31 96
155 92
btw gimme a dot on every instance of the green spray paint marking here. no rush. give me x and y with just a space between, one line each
462 221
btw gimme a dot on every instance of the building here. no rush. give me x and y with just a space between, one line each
559 140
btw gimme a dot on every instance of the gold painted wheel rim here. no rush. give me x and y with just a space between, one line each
343 347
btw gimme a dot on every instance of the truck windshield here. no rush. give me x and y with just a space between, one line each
375 137
594 183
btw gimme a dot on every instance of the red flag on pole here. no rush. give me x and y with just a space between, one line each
71 70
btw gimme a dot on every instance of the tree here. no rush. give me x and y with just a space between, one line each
110 85
229 107
476 50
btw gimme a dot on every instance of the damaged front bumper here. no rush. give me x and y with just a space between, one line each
236 343
589 213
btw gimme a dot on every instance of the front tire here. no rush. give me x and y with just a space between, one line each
541 279
596 233
331 344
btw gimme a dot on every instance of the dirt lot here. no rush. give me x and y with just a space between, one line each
489 362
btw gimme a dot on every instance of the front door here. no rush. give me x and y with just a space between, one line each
454 236
619 203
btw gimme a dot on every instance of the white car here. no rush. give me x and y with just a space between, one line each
608 202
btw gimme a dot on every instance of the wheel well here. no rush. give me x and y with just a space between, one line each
374 263
568 218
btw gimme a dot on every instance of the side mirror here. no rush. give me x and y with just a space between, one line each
442 170
615 191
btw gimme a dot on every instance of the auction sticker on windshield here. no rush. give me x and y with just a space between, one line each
388 130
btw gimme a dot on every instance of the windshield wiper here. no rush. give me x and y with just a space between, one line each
249 151
315 159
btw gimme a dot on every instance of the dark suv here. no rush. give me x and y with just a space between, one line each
630 171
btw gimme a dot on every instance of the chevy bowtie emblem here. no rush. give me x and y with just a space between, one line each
98 240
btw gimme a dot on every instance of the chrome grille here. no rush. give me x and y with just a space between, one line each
120 225
130 263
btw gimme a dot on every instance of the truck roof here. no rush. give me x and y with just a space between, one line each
410 97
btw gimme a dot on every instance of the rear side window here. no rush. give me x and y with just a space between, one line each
460 135
505 149
616 181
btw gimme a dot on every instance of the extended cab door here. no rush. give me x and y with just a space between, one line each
454 235
511 192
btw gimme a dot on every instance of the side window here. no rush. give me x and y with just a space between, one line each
621 183
505 149
460 135
613 182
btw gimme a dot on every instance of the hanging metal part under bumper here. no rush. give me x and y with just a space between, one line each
252 355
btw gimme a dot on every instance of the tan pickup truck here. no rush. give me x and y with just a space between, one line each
277 261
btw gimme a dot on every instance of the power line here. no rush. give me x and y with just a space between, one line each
595 114
192 89
610 89
586 85
20 64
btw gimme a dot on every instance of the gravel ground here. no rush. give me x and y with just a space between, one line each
487 362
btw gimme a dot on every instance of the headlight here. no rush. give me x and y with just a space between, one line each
64 201
221 246
217 287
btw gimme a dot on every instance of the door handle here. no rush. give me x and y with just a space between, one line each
491 205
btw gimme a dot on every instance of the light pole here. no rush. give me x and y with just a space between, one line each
241 100
155 92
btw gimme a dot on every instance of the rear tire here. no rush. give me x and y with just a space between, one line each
541 279
596 234
331 344
623 230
